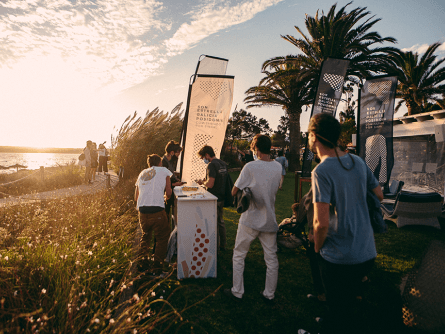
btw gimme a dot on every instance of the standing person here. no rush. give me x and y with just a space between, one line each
87 152
283 162
263 177
151 185
94 163
345 250
169 161
103 158
215 182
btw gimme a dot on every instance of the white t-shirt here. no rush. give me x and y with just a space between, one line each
151 183
263 178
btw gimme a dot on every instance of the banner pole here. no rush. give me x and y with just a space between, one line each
357 141
184 127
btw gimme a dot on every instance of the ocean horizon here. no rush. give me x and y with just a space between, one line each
34 160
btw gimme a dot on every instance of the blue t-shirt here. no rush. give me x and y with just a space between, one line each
351 241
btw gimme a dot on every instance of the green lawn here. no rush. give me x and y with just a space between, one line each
398 250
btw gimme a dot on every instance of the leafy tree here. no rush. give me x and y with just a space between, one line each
244 126
420 79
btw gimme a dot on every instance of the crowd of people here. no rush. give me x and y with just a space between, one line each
95 161
341 240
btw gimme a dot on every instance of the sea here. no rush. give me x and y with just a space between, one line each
35 160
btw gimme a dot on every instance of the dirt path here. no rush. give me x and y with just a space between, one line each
99 184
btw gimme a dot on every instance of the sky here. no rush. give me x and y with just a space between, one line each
72 71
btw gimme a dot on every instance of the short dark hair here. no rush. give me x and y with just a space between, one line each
173 146
280 153
326 128
206 150
153 160
262 143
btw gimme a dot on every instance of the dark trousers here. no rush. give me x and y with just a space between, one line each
315 269
342 284
158 223
221 227
103 164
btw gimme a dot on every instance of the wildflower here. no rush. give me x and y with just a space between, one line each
114 260
6 258
90 253
15 293
153 293
135 331
96 320
111 321
112 293
136 297
43 291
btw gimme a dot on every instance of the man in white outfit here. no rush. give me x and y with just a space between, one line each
263 177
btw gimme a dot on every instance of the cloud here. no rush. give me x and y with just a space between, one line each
102 39
417 48
112 44
212 18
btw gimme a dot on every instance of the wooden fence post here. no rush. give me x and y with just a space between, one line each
42 173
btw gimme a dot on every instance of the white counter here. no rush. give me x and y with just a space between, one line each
195 216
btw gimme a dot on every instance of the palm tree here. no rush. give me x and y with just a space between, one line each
341 35
420 79
291 83
282 87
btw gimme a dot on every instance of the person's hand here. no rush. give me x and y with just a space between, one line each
310 237
200 182
166 198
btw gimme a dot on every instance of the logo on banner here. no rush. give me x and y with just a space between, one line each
382 90
335 81
214 89
198 167
376 152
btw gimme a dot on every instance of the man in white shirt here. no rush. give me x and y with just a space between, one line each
263 177
149 195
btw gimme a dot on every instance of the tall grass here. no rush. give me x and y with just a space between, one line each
140 136
54 178
65 267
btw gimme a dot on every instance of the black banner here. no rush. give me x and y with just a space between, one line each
377 100
329 91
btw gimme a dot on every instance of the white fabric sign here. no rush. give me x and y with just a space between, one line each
209 110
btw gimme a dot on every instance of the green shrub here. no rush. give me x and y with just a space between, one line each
139 137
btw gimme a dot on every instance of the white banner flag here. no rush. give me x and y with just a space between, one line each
208 113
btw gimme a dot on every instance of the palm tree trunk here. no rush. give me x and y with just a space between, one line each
294 138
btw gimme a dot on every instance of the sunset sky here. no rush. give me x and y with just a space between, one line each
72 70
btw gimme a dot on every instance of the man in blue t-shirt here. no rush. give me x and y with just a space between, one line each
346 249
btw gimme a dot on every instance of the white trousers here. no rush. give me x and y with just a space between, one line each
244 237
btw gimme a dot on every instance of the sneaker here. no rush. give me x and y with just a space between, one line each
228 293
267 300
302 331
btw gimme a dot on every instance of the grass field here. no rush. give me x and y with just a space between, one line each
65 268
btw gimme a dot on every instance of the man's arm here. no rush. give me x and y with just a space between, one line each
209 183
378 192
136 194
321 224
234 190
168 187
